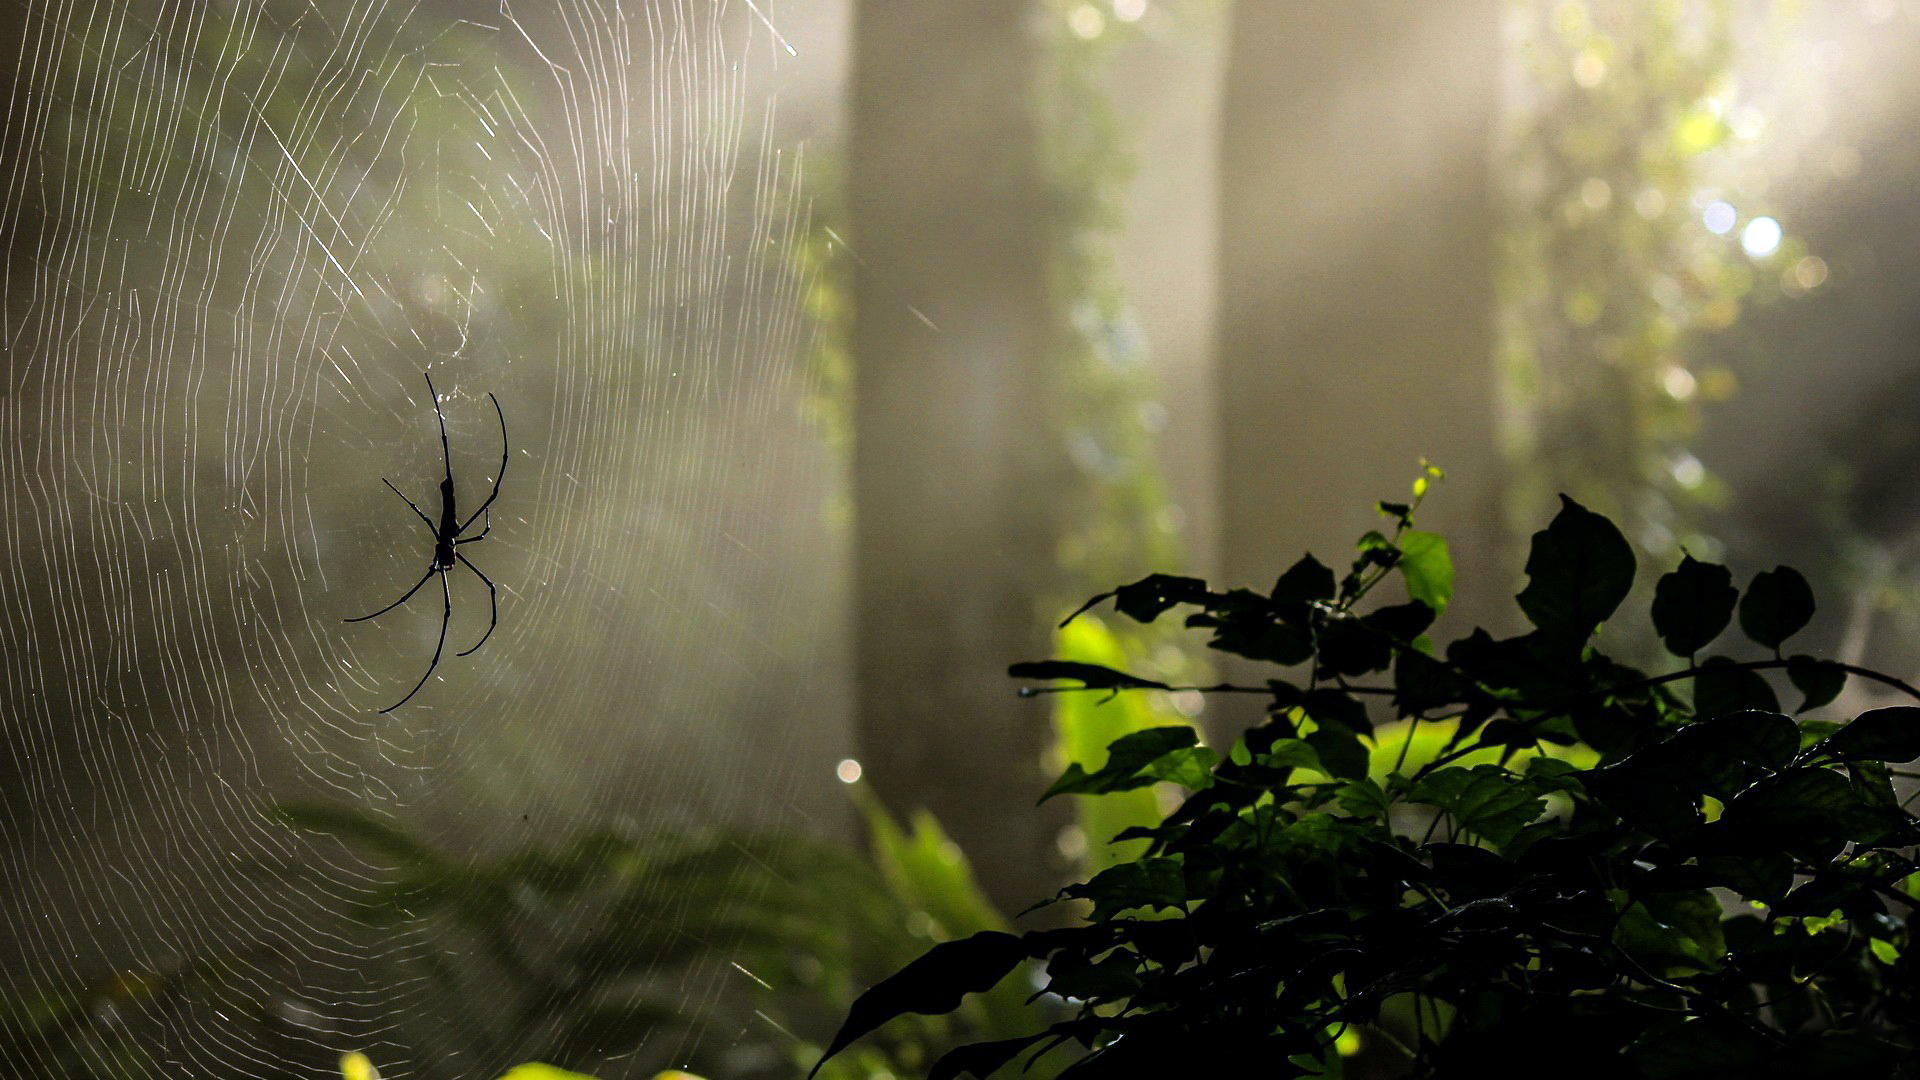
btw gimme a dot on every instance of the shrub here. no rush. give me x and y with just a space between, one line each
1587 870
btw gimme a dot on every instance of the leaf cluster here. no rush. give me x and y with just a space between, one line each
1663 871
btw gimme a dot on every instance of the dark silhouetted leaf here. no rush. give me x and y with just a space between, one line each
1401 622
1340 750
1704 1049
1658 788
1692 605
1890 734
932 985
1304 582
1420 683
1812 808
1337 707
1145 600
1070 975
1820 681
1349 647
1722 687
1578 571
1091 675
983 1058
1243 623
1776 606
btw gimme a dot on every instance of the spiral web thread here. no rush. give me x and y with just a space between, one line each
236 236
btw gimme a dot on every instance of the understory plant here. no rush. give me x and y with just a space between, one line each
1541 862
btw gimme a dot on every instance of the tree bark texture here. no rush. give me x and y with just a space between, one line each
953 457
1357 280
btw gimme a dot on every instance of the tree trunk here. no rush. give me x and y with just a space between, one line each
1356 280
953 457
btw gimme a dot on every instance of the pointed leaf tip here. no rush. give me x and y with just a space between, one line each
1692 604
1777 605
1578 571
932 985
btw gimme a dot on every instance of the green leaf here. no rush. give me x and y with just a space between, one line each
1819 680
1578 571
1126 758
1692 605
1777 605
1361 798
1485 800
1891 734
1291 754
533 1070
932 985
1086 725
1427 568
925 868
1146 883
1674 930
1190 767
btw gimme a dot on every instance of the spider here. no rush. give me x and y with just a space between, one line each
447 538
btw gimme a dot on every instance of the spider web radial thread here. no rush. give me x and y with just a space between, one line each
236 235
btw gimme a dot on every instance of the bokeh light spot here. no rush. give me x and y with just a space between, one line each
848 771
1589 68
1679 383
1761 237
1129 10
1688 472
1086 22
1810 272
1719 217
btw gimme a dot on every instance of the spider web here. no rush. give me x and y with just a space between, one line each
237 234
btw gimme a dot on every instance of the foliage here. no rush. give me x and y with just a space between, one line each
1628 117
602 953
1718 889
72 1035
358 1066
594 942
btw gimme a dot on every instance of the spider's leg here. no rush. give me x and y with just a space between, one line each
493 600
446 455
501 475
446 616
486 526
404 597
421 514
